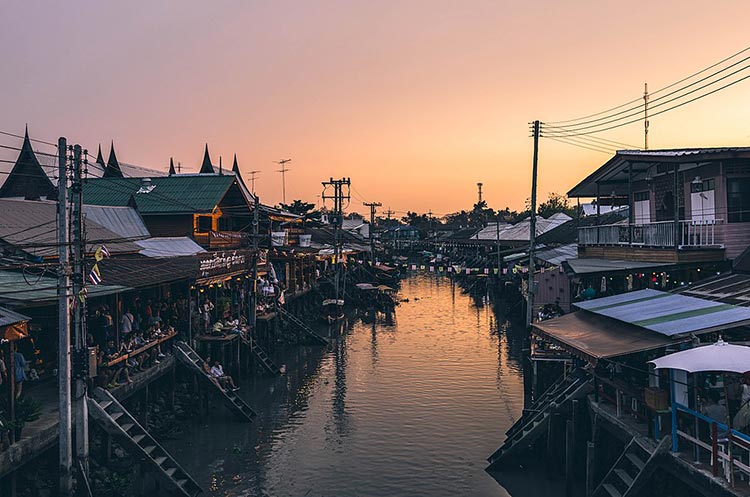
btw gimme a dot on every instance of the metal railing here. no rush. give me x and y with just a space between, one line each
690 233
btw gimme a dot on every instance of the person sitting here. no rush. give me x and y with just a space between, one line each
114 372
217 371
713 409
207 371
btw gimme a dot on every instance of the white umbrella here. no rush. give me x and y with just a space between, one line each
720 356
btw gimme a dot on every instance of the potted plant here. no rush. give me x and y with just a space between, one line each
28 409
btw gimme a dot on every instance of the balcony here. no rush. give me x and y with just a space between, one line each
660 241
222 239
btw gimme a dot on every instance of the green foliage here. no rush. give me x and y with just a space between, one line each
556 202
298 207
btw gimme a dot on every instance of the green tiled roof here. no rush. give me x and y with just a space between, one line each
167 194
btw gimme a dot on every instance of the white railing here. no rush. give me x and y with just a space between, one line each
691 233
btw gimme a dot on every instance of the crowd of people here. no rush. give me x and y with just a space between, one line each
144 322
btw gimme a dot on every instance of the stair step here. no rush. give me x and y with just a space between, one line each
105 403
116 415
170 471
611 490
624 476
137 439
126 427
637 462
159 460
149 449
181 482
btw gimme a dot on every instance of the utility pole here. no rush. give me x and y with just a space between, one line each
63 296
497 236
372 206
80 409
283 170
532 228
338 198
252 181
389 213
645 116
254 295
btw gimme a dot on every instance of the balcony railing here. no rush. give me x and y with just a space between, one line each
222 239
691 233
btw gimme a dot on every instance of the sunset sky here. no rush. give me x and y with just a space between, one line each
416 101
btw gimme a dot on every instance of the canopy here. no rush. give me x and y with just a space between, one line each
720 356
593 337
366 286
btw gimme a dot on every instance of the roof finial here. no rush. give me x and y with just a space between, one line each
207 167
113 166
235 167
99 157
171 166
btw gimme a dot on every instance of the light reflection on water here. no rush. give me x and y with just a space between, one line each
411 406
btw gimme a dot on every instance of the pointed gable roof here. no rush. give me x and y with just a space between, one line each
207 167
171 166
99 158
235 167
113 167
27 179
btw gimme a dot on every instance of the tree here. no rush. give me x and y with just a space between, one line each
298 207
460 218
556 202
480 214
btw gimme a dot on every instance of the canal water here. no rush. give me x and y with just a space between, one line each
406 406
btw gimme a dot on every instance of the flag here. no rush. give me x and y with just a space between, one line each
95 276
101 253
82 294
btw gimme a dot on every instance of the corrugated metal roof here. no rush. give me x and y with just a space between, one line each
8 317
29 291
558 255
167 194
668 313
175 246
592 337
729 288
31 226
124 221
590 266
681 152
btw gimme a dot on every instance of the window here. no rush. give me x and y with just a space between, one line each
204 224
706 185
641 196
738 200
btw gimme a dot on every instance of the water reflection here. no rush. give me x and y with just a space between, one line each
408 404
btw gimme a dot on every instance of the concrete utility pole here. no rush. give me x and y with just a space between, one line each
532 228
372 206
338 198
80 409
283 170
254 295
252 181
63 295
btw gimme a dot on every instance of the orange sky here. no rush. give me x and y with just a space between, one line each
416 101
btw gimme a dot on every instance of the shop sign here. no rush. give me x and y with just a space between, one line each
221 262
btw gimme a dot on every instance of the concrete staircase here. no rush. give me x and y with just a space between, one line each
308 331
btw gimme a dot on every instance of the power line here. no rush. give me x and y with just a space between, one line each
562 140
657 91
578 127
565 134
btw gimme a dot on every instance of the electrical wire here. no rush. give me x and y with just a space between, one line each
562 140
687 78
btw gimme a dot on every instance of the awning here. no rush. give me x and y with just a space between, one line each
592 337
13 326
669 314
593 266
19 290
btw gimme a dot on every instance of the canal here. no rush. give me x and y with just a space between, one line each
405 406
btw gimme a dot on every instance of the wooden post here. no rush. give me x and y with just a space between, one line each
714 450
590 468
551 425
569 456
